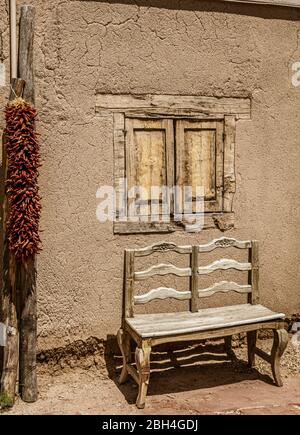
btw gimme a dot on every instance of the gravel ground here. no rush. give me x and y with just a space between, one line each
191 380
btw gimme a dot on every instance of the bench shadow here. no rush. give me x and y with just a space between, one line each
183 367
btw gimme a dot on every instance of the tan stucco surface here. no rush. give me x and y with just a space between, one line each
161 47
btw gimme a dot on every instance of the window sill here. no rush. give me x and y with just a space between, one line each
222 221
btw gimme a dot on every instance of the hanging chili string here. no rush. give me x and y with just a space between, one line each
23 158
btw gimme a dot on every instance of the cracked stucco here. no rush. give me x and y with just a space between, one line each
168 47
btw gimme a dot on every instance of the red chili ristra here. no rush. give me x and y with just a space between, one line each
23 161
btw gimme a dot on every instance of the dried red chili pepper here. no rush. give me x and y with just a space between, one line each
23 161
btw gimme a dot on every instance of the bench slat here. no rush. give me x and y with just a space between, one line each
170 317
162 247
223 264
162 293
224 287
225 242
162 269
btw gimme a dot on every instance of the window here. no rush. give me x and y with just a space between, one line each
149 158
199 160
173 141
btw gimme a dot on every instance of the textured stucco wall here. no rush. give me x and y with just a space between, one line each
162 47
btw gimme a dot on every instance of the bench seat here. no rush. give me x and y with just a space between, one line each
168 324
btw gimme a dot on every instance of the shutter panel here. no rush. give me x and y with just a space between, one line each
199 160
149 150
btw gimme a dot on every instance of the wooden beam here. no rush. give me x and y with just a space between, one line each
173 105
26 39
9 296
262 354
27 273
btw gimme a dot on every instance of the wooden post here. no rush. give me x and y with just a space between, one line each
129 278
10 305
27 272
194 279
25 62
28 331
253 277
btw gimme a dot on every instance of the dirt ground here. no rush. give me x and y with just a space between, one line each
196 379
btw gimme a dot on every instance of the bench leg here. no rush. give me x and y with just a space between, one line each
281 339
228 348
124 344
142 359
251 344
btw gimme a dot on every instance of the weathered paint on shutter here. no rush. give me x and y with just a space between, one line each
149 144
199 159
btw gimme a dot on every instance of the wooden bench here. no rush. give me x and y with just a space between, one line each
148 330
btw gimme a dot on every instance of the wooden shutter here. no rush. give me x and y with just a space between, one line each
199 160
149 159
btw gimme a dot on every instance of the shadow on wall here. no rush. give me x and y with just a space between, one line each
253 10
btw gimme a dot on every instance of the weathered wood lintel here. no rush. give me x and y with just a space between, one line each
173 105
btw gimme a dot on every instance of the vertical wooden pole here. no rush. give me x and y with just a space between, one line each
10 296
27 272
28 331
25 61
254 273
129 278
194 279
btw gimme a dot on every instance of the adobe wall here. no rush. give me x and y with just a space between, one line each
160 47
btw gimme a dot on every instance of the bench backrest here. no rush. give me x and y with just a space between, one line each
193 272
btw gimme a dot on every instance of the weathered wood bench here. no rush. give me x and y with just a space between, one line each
148 330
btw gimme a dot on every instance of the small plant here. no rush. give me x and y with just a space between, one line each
6 401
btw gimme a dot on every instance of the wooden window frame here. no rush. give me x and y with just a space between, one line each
222 218
175 107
